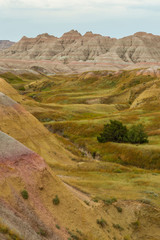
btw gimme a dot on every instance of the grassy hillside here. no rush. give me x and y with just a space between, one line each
77 107
117 183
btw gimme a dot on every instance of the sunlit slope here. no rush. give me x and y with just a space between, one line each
9 90
76 216
21 125
37 216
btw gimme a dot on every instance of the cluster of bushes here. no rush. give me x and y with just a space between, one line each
115 131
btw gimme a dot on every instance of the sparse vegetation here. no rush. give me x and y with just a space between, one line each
119 209
25 194
95 200
136 224
117 226
109 201
10 234
146 201
86 202
57 226
56 200
73 236
42 232
102 222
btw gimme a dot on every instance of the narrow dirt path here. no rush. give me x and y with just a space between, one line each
79 194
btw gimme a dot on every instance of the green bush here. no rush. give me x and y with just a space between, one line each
57 226
110 201
101 222
56 200
115 131
24 194
119 209
136 134
117 226
42 232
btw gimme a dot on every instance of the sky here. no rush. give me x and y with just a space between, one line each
114 18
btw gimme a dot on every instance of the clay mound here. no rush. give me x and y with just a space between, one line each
11 149
13 153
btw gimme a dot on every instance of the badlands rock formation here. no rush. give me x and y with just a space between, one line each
5 44
73 52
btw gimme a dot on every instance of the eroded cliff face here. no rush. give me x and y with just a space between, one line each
140 47
74 52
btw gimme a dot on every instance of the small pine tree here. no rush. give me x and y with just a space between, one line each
114 131
56 200
24 194
136 134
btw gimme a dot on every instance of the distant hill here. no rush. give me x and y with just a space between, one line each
5 44
76 53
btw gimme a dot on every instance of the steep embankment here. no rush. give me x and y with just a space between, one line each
36 216
21 125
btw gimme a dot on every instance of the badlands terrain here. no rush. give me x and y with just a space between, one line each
74 53
56 180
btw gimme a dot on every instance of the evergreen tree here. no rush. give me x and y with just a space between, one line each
114 131
136 134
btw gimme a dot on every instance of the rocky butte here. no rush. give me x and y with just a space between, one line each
74 52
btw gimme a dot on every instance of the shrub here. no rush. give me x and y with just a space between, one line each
136 134
117 226
95 200
101 222
110 201
136 224
86 202
24 194
119 209
117 170
42 232
57 226
114 131
73 236
56 200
